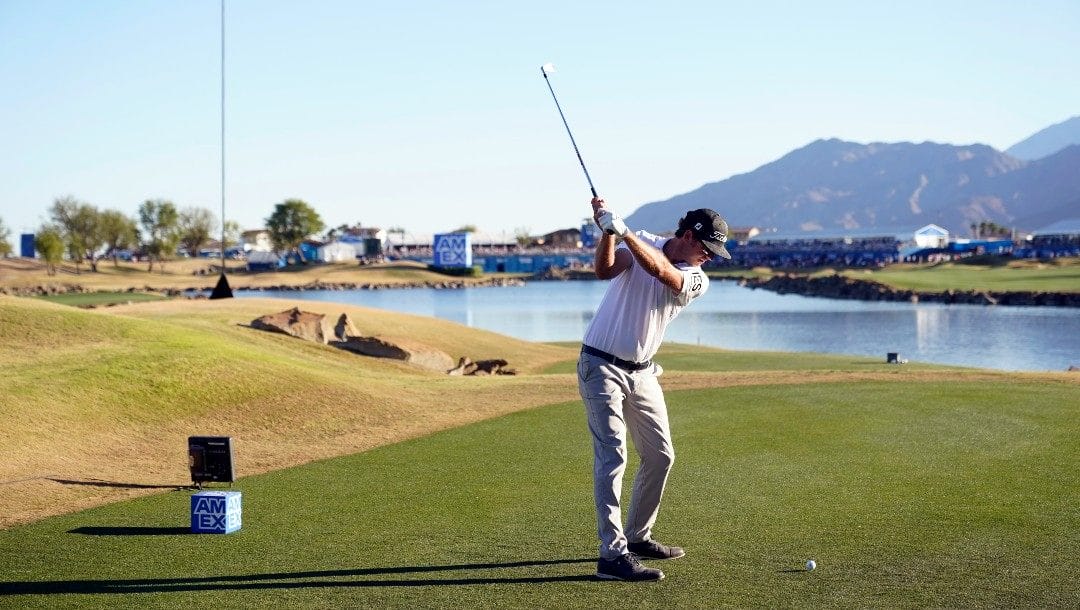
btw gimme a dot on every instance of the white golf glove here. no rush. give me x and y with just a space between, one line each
612 224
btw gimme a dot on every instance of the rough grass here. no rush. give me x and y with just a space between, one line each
110 395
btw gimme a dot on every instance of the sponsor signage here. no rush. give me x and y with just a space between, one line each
215 512
452 250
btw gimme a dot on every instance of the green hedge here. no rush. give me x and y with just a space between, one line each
474 271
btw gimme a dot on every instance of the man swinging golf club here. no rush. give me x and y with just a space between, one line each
652 280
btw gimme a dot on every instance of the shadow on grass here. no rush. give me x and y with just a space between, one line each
115 484
131 531
321 579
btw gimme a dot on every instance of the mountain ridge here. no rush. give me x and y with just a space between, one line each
1048 141
836 186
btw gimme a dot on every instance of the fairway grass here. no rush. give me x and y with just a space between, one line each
370 483
98 299
906 494
1059 275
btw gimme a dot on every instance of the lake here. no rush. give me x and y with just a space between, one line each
733 317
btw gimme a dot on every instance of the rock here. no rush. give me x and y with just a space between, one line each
462 365
405 350
466 366
300 324
344 328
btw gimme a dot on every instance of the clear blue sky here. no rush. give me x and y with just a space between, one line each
431 115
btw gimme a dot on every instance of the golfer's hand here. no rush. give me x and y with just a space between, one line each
598 207
612 224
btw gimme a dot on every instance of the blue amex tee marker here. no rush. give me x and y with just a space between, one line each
215 512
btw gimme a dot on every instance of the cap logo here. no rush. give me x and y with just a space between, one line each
715 236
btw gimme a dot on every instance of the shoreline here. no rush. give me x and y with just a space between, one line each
840 287
833 286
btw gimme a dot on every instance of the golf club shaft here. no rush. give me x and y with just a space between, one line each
568 132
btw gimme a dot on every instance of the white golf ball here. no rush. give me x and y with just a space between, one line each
810 565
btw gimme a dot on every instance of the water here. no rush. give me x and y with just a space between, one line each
734 317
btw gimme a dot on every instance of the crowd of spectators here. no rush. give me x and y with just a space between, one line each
1049 246
808 253
796 253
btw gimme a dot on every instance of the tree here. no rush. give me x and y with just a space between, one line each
49 242
118 232
337 231
5 246
987 228
159 219
195 225
523 236
465 229
291 223
79 225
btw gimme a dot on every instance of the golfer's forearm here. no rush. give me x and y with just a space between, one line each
604 262
653 262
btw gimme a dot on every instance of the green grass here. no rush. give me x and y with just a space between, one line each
917 486
99 299
986 273
1062 275
907 494
683 357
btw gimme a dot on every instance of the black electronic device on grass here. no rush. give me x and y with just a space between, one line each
210 459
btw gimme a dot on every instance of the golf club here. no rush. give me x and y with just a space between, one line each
548 69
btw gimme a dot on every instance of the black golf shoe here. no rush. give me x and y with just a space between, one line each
626 567
651 549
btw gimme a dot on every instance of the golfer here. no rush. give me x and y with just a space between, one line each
652 280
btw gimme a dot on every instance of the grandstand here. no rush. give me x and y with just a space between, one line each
1059 239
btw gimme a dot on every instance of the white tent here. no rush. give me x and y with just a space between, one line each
337 252
932 236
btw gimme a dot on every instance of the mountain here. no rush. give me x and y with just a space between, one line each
1048 141
833 186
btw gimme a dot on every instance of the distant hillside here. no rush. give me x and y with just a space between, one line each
1048 141
835 186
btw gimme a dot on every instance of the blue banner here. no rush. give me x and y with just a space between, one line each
452 250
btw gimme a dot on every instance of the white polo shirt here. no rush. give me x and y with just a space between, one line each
637 308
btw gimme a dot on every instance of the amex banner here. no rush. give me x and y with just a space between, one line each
453 250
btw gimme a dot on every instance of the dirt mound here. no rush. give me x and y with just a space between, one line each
313 327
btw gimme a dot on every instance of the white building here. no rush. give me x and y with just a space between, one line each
337 252
932 236
256 240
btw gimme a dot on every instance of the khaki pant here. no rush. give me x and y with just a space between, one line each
617 400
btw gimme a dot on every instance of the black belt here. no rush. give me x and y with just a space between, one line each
619 362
